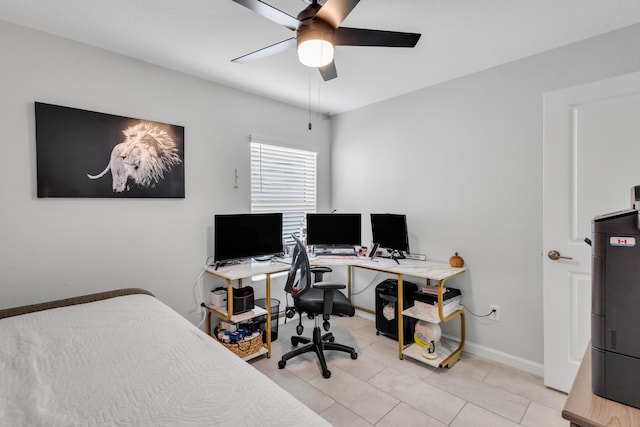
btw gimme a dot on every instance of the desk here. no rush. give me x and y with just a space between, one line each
428 270
585 409
232 272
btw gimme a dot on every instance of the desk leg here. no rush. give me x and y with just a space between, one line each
400 307
268 307
455 355
229 299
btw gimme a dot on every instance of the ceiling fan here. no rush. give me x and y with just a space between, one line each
318 31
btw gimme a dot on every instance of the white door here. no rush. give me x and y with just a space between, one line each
591 160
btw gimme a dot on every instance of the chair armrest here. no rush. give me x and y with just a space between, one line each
318 272
329 285
328 289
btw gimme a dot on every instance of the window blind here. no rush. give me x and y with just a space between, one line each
283 180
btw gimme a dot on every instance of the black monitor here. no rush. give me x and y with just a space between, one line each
239 236
390 231
334 229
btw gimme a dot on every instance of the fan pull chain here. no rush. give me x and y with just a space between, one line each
309 102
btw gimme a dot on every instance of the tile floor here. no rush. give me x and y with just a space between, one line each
380 390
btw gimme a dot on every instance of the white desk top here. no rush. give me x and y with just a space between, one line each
248 269
423 269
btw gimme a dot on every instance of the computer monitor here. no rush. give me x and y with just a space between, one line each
390 231
239 236
334 229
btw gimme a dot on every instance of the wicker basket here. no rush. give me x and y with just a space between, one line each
245 348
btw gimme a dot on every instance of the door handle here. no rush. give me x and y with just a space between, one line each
555 255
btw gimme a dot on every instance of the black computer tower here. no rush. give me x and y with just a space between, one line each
386 301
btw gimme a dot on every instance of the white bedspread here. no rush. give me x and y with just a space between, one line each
131 360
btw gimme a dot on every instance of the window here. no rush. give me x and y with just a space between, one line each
283 180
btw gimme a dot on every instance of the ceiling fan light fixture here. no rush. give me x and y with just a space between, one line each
315 53
315 44
318 30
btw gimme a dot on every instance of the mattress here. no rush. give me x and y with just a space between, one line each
131 360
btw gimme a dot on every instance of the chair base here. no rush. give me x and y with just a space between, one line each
317 344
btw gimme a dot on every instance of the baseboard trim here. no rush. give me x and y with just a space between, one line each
502 357
365 315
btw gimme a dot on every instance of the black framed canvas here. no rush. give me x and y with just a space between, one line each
84 153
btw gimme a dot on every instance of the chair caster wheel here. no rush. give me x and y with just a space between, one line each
326 374
282 364
294 342
332 339
377 332
354 356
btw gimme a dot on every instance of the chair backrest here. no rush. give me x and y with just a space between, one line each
298 284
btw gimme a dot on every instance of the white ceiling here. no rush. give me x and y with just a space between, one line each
200 37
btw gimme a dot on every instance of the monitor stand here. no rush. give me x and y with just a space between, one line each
396 255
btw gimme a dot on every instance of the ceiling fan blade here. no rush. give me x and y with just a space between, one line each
329 71
335 11
271 13
267 51
345 36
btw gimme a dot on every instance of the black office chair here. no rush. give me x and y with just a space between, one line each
321 299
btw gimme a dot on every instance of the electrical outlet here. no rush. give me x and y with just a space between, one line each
495 313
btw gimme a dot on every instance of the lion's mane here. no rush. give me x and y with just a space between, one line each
147 152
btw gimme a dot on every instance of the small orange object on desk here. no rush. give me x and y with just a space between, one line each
456 261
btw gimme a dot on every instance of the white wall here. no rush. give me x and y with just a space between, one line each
463 160
56 248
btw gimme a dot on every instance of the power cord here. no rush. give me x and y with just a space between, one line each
478 315
199 303
203 309
374 280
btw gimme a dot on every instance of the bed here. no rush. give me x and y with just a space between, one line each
125 358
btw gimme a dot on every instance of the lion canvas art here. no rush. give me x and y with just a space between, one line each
145 155
143 158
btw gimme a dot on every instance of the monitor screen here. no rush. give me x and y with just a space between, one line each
240 236
390 231
334 229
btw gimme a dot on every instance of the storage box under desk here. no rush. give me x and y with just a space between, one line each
432 298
